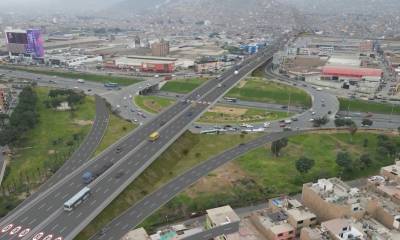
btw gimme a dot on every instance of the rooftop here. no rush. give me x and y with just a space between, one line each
300 214
222 215
351 71
336 191
342 229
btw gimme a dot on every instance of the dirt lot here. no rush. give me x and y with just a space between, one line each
222 178
228 110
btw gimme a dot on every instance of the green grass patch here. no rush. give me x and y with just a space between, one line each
124 81
251 115
263 176
355 105
50 143
260 90
153 104
183 85
117 128
187 151
224 115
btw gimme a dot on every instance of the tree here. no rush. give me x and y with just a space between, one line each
367 122
352 130
277 146
365 143
366 160
3 119
304 164
343 160
318 122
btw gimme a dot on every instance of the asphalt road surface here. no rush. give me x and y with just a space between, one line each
144 208
46 217
81 155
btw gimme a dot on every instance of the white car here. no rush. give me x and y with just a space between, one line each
80 81
267 124
311 120
319 89
312 113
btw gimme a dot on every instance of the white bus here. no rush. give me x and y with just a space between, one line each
77 199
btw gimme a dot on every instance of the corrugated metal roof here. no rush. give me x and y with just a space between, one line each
351 72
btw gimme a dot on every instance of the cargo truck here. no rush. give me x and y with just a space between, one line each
89 176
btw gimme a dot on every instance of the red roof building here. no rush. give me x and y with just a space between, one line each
351 72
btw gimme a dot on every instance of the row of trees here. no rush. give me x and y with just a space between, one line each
57 96
23 118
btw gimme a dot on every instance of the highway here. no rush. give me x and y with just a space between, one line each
144 208
46 216
81 155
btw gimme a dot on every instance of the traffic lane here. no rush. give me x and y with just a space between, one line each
170 134
140 158
50 208
144 208
55 199
82 154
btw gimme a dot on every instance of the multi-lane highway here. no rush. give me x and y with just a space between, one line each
144 208
45 216
82 154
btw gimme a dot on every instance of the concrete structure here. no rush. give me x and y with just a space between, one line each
146 63
313 234
221 216
392 172
273 226
332 198
342 229
67 60
160 49
208 66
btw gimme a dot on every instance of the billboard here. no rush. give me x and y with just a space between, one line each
35 43
17 38
28 42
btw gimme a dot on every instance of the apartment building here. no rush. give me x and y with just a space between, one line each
221 216
342 229
392 172
332 198
273 225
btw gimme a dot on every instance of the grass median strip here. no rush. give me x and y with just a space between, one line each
355 105
221 114
124 81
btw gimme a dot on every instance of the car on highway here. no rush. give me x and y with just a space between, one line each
154 136
80 81
312 113
295 119
282 125
267 124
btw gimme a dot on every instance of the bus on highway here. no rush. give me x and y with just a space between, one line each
111 85
229 99
154 136
77 199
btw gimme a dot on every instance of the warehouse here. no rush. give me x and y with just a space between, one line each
146 64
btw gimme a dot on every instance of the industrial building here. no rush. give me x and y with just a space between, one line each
145 64
68 60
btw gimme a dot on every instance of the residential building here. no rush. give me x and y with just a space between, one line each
342 229
273 225
221 216
313 234
391 172
332 198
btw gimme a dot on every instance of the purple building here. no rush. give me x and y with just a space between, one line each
28 43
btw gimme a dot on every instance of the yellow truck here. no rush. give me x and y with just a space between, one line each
154 136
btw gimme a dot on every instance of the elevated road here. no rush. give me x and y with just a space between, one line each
45 217
144 208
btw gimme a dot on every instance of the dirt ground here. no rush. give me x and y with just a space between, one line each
83 122
228 110
222 178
